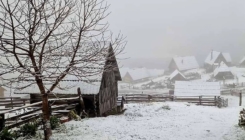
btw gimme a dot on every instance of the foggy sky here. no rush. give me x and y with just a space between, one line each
160 29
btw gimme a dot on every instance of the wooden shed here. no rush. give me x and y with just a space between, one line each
99 93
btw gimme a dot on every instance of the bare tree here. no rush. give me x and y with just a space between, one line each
46 40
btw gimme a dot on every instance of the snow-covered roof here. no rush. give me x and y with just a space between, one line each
227 57
212 56
186 63
238 72
199 71
222 68
175 73
141 73
186 88
68 85
64 87
242 60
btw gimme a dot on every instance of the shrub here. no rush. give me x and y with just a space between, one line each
73 115
5 134
28 129
54 122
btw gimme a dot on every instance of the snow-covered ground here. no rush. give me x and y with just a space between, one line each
154 121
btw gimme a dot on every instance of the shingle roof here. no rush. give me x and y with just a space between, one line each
185 88
186 63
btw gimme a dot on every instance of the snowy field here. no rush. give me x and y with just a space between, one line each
160 121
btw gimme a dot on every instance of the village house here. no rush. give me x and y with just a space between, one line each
242 62
176 76
223 72
214 59
99 91
183 63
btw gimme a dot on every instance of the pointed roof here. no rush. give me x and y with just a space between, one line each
111 58
89 83
222 68
242 60
227 57
186 63
213 55
175 73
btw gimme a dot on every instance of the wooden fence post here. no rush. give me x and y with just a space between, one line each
200 100
12 102
149 98
240 99
2 121
215 100
79 106
126 100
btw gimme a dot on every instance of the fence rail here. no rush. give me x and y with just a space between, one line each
199 100
34 110
11 102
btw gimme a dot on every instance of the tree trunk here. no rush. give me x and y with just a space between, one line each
46 118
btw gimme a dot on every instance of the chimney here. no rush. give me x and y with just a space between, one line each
212 55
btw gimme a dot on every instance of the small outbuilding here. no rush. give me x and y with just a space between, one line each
188 88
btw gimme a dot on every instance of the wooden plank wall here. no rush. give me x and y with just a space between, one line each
108 93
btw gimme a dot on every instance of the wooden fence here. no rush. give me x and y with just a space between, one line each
34 111
199 100
145 98
233 91
7 103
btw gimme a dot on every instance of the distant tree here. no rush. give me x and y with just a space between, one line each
45 40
